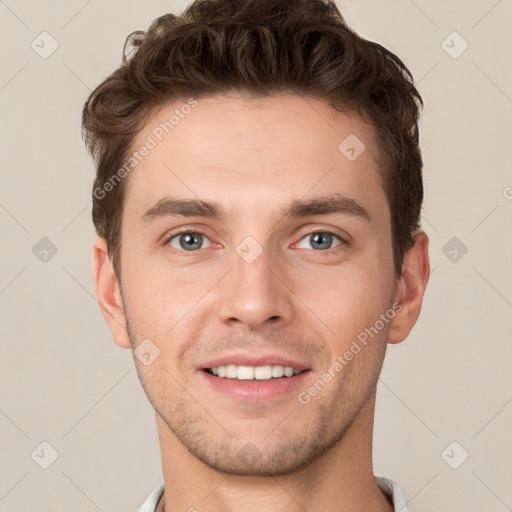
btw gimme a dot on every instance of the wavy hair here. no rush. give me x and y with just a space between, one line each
263 47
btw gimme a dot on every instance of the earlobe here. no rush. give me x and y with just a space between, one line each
109 294
411 288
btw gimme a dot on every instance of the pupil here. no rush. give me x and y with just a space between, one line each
191 240
319 237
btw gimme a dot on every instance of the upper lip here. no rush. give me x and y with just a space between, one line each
254 360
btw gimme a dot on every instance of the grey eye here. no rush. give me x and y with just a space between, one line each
187 241
320 240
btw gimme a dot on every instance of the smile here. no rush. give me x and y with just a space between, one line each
267 372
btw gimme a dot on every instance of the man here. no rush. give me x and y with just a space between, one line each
257 201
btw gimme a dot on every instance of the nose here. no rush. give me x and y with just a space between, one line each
254 293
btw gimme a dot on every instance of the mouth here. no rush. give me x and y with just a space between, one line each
266 372
260 383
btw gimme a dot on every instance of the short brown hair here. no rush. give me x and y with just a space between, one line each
262 47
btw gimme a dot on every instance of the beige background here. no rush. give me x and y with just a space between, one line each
66 383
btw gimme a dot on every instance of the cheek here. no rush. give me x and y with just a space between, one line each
350 299
150 301
164 304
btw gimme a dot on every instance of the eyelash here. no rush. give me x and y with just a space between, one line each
197 232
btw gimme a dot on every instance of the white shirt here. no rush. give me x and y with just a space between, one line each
388 486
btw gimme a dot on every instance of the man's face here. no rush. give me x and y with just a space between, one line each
255 287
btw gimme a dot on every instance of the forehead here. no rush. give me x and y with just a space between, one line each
247 151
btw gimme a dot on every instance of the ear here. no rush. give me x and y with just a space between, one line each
410 288
109 294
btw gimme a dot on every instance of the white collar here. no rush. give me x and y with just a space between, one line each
388 486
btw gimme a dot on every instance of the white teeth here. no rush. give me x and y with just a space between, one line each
288 372
244 373
232 371
277 371
263 372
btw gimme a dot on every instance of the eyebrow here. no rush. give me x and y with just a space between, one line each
332 204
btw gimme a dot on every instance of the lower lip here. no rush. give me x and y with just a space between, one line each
255 390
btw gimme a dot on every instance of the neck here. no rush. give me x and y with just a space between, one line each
340 480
